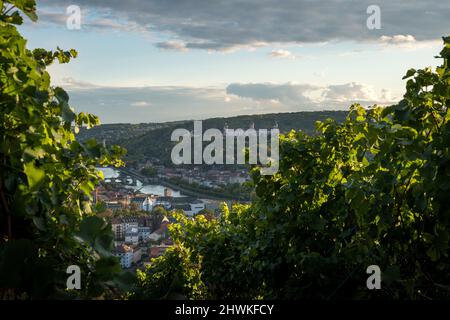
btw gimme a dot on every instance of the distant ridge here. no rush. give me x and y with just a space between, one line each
152 140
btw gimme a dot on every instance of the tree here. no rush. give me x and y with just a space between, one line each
209 214
158 213
47 176
149 171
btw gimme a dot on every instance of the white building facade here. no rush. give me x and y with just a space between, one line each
125 255
132 235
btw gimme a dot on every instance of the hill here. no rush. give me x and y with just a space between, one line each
152 140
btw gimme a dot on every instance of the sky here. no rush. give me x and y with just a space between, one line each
155 61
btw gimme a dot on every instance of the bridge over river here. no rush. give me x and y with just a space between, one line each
127 173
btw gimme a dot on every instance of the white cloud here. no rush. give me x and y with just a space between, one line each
288 94
141 104
386 95
348 92
339 96
71 83
283 54
398 39
406 42
172 45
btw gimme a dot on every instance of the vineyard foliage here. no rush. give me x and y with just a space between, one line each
47 177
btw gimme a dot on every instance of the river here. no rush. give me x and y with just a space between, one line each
110 173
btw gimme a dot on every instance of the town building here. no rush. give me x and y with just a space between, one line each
125 255
118 229
197 206
113 205
144 203
132 235
130 222
137 253
162 231
158 250
144 233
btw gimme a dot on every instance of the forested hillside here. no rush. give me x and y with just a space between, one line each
152 141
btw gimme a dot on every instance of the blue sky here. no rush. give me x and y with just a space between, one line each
152 61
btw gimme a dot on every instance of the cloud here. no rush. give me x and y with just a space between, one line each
47 17
407 42
338 96
168 103
283 54
141 104
171 103
111 24
287 94
228 24
348 92
398 39
92 20
71 83
172 45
